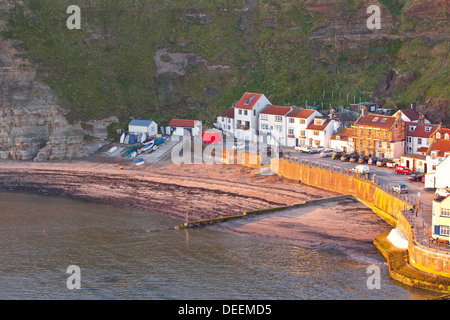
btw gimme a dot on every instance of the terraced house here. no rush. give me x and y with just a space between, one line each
297 121
379 135
272 125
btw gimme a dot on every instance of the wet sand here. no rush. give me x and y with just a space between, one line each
203 191
342 224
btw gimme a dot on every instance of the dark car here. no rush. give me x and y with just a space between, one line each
363 159
346 157
382 162
353 159
416 177
373 161
337 155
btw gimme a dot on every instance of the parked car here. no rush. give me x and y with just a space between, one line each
382 162
415 177
307 149
400 188
353 159
423 179
442 192
363 159
326 153
346 157
403 170
337 155
361 169
391 164
372 161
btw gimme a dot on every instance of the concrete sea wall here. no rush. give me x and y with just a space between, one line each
386 205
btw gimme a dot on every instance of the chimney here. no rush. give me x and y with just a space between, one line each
331 113
421 121
364 111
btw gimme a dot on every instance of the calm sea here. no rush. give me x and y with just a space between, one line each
121 258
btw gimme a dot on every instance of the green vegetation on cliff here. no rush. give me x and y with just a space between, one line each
211 52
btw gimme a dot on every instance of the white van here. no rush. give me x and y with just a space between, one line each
362 168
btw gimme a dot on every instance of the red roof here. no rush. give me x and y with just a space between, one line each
412 114
422 150
420 130
301 113
182 123
319 127
248 100
229 113
376 120
441 145
277 111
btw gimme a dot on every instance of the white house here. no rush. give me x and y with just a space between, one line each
342 140
320 131
225 121
438 151
296 123
272 125
246 115
181 127
137 127
411 115
418 135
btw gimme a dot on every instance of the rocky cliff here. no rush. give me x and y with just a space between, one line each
33 125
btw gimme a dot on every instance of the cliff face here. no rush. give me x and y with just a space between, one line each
33 125
193 59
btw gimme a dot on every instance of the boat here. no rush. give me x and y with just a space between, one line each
139 137
148 140
138 160
132 155
133 148
159 141
122 137
132 140
143 138
127 139
140 163
148 146
112 149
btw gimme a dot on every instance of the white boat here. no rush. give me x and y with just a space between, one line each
148 147
112 149
122 137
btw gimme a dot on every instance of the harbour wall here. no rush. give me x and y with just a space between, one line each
386 205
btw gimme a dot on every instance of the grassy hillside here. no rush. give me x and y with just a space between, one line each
108 67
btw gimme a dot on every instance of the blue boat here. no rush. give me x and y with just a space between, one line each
148 146
132 140
138 160
159 141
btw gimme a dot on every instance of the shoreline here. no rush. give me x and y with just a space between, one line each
207 192
203 191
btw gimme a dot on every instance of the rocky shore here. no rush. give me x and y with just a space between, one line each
199 191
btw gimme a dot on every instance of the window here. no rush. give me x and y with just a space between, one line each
412 128
438 135
316 133
445 212
278 118
428 129
240 111
419 140
279 128
302 121
303 133
409 139
245 112
444 231
375 119
263 116
383 120
318 121
291 120
264 127
291 131
447 136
